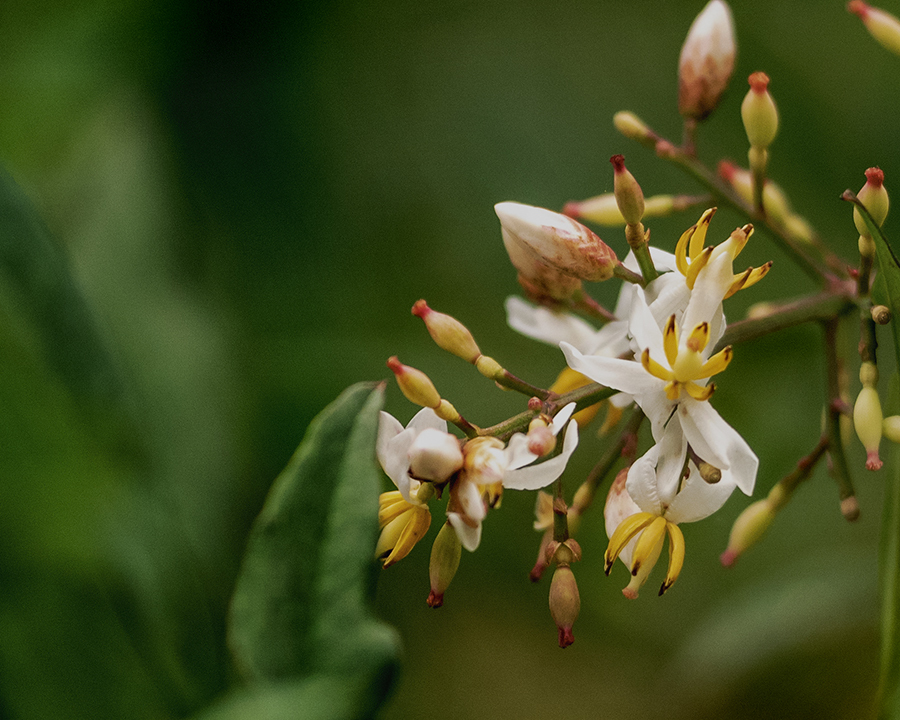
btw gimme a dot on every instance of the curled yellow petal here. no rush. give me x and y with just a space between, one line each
627 529
676 556
648 544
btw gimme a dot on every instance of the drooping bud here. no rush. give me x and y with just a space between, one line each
759 113
629 196
867 415
774 199
402 526
414 384
448 332
561 242
631 126
565 603
875 199
883 26
881 314
445 555
706 61
434 456
749 527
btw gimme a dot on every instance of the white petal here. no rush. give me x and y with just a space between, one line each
698 499
547 326
469 537
560 419
646 330
670 468
517 452
706 298
610 341
388 428
426 418
542 474
619 506
718 443
625 375
641 482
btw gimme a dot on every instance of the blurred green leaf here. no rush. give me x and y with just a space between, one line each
301 606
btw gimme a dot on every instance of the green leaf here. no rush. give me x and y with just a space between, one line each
302 602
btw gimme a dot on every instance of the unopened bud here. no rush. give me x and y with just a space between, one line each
759 113
629 196
434 455
875 199
850 508
489 367
881 314
565 603
709 473
868 374
706 61
414 384
798 228
867 419
749 527
883 26
541 440
448 332
631 126
890 427
484 460
563 243
445 554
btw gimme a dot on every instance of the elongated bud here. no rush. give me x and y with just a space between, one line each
434 455
875 198
448 332
883 26
629 196
881 314
563 243
706 61
445 554
867 419
631 126
414 384
798 228
890 426
565 603
759 113
749 527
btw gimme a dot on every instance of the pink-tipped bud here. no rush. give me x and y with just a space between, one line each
883 26
565 603
448 332
749 527
868 419
541 440
631 126
414 384
445 554
759 113
556 240
706 61
875 199
629 196
434 456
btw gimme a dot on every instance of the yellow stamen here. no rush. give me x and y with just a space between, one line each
681 261
698 338
670 340
649 543
700 392
673 390
627 529
417 524
698 239
390 505
717 363
654 368
697 265
676 556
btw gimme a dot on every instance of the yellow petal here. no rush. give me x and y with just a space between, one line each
648 543
676 556
627 529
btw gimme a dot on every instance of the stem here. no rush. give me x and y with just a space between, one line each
839 467
623 273
585 304
888 701
511 382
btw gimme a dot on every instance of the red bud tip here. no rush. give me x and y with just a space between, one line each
629 593
393 362
727 169
759 82
618 162
566 637
728 558
535 404
858 8
875 176
420 308
434 600
572 209
537 572
873 461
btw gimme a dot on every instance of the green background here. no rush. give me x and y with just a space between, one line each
252 196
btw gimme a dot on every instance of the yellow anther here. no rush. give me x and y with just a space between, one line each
698 338
627 529
390 506
717 363
681 261
670 340
698 239
673 390
700 392
654 368
697 265
676 556
649 543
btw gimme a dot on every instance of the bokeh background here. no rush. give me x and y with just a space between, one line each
252 196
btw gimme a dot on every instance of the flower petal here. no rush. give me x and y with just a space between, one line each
625 375
698 499
547 326
542 474
469 537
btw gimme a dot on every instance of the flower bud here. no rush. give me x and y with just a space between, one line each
561 242
629 196
797 228
402 526
706 61
448 332
445 554
631 126
434 456
759 113
890 426
867 419
749 527
709 473
881 314
883 26
868 374
484 461
541 440
565 603
414 384
875 199
540 281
